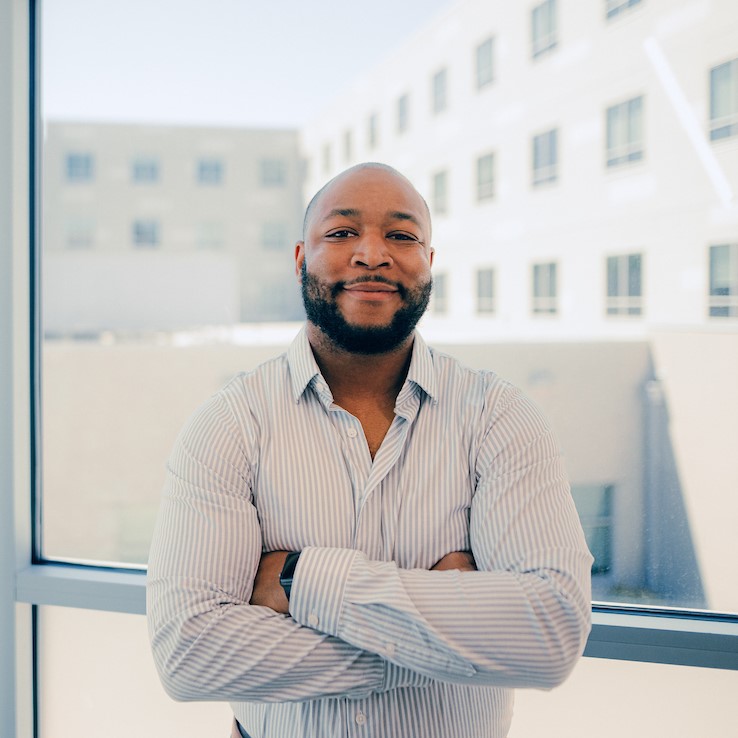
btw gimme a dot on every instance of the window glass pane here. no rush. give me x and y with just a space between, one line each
168 223
616 698
96 677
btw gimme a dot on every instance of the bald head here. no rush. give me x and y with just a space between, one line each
348 173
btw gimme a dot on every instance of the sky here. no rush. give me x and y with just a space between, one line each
221 62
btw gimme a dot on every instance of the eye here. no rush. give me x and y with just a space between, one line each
402 236
341 233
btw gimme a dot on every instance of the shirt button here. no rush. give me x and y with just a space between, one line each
351 433
390 650
360 718
313 620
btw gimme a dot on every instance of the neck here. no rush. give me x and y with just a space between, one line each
366 376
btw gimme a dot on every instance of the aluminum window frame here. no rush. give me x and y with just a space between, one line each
654 635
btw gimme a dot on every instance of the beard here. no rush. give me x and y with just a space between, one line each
322 310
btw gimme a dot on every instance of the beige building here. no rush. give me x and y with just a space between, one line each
163 227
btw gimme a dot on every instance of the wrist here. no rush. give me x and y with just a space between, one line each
288 572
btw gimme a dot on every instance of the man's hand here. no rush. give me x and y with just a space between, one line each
267 589
461 560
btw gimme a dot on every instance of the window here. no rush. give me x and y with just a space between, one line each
439 301
348 146
724 100
80 233
80 167
439 91
484 59
544 289
594 505
145 233
545 158
543 28
372 131
145 170
327 158
274 235
439 197
624 295
724 281
273 172
615 7
486 291
210 235
403 112
210 171
625 132
486 177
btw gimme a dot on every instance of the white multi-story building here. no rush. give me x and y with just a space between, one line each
580 160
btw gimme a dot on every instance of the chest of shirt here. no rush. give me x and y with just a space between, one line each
315 484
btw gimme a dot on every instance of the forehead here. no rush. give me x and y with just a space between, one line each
373 193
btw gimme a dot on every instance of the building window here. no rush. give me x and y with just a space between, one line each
724 281
272 173
439 197
439 304
210 235
486 291
485 63
326 158
348 146
545 157
80 167
625 132
80 234
486 177
594 506
403 112
372 130
210 171
274 236
145 169
543 28
724 100
439 91
146 233
544 289
615 7
624 291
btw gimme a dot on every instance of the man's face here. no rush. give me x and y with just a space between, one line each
365 263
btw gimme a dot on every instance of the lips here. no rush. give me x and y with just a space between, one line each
370 287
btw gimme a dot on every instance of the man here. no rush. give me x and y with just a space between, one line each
362 537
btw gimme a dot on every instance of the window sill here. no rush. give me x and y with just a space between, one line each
690 639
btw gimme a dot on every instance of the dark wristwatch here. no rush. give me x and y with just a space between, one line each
288 572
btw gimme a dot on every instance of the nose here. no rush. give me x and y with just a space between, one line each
371 252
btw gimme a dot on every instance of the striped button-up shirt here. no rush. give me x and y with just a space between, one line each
375 644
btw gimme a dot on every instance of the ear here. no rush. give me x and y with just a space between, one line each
431 254
299 259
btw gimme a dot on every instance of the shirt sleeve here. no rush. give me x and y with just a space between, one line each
208 642
520 621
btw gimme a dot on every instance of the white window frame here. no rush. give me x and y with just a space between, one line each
724 126
545 157
439 91
403 112
439 194
630 633
727 302
210 171
484 63
614 8
485 170
624 132
542 14
485 291
545 301
622 304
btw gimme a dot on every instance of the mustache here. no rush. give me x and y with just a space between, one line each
378 278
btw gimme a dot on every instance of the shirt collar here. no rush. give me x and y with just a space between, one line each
303 367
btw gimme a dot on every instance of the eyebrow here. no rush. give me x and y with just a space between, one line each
355 213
